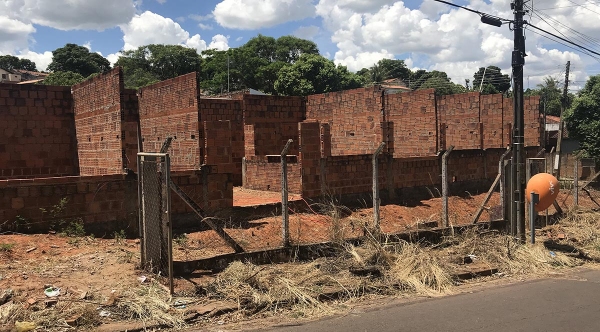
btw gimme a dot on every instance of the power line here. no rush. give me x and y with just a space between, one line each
563 39
472 10
558 42
580 35
582 6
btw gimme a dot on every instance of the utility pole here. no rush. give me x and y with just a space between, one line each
227 71
561 123
518 153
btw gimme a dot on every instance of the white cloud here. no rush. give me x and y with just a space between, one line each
440 37
308 32
205 26
42 60
195 42
161 1
14 34
150 28
219 42
113 58
251 14
71 14
88 45
201 18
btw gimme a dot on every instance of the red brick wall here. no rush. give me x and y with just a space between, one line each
351 174
130 118
97 107
269 123
210 190
458 117
232 110
491 113
104 203
354 117
217 145
37 132
413 115
170 108
310 156
533 122
264 173
415 172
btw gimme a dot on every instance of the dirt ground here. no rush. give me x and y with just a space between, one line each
92 273
249 197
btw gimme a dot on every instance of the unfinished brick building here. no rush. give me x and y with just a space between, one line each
82 144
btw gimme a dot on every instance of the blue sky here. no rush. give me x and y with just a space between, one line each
355 33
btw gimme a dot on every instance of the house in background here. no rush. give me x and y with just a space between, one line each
568 145
395 85
27 75
9 76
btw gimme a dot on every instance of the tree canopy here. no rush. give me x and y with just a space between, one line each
550 96
77 59
10 62
386 69
492 82
255 64
313 74
442 86
152 63
583 118
66 78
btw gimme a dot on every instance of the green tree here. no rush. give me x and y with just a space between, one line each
255 64
493 76
77 59
386 69
10 62
152 63
442 86
313 74
583 118
420 76
67 78
288 49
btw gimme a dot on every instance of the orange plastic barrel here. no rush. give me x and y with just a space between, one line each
545 185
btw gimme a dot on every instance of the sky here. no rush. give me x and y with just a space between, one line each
355 33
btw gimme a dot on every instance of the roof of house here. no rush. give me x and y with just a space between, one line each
552 119
33 73
8 71
31 81
396 84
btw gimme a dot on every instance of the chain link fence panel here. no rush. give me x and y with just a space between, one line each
155 218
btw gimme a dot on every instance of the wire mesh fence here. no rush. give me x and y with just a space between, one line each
580 184
155 219
329 219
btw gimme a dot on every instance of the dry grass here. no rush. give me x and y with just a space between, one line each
315 288
581 230
149 303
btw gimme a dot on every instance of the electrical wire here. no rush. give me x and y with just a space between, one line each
473 11
581 36
564 39
584 7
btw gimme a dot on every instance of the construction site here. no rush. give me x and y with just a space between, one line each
248 178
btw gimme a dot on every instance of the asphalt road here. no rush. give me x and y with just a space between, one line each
564 304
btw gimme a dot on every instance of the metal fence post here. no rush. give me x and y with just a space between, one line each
445 156
284 195
502 181
534 199
376 199
576 183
